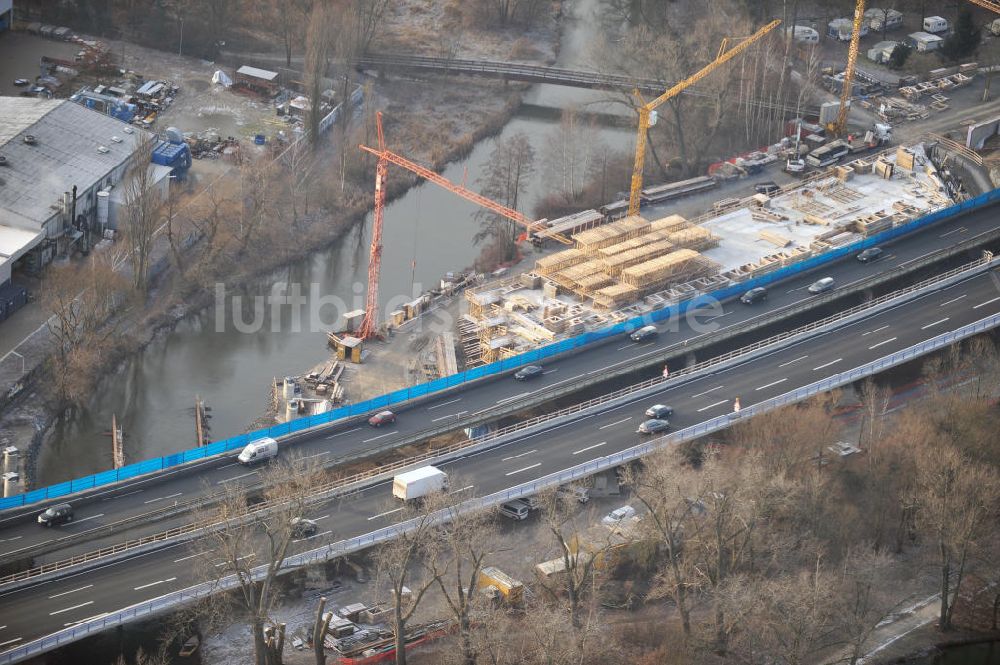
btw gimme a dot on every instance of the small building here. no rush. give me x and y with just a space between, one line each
924 42
843 28
935 24
259 80
882 51
883 19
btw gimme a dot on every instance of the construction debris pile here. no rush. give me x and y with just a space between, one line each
916 101
129 98
626 268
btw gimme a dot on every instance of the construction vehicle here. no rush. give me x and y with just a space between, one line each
647 111
495 581
419 483
878 135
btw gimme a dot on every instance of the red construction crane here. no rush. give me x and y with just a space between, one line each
369 326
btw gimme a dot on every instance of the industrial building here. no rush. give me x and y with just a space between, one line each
624 269
6 14
49 147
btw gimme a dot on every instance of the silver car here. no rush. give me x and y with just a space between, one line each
821 285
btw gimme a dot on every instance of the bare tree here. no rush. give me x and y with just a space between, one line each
862 600
141 203
956 500
251 544
318 41
258 198
874 407
505 180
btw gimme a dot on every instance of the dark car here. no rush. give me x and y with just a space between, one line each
659 411
529 372
21 82
61 513
303 528
768 188
382 418
871 254
757 294
652 426
644 334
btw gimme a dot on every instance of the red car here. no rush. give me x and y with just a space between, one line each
382 418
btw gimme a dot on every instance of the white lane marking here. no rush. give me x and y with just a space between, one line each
617 422
550 371
226 466
75 607
773 383
146 586
381 436
341 433
245 556
804 286
16 639
450 415
7 540
710 406
315 535
960 229
719 316
438 406
874 331
467 487
793 361
886 341
93 618
388 512
527 468
164 497
226 480
118 496
705 392
583 450
513 397
92 517
832 362
627 346
66 593
27 547
325 452
984 304
534 450
190 556
948 302
316 519
2 627
947 318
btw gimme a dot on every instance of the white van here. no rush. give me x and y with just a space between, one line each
804 34
933 24
259 451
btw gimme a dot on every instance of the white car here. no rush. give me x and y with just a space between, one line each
618 515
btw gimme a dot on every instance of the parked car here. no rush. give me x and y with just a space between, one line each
515 510
303 528
871 254
754 295
659 411
61 513
821 285
572 492
768 188
644 334
382 418
618 515
529 372
652 426
21 82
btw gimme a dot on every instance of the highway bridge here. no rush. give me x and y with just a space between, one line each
93 599
132 509
513 71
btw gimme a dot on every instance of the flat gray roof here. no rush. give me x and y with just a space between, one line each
65 153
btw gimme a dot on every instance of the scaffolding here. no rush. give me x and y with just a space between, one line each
610 234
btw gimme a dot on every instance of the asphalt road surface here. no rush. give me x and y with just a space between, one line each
101 508
46 607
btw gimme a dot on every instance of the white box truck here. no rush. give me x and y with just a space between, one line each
419 483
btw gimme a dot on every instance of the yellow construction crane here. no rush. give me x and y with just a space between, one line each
988 4
852 61
646 110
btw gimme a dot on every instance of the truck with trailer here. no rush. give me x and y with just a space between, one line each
492 578
419 483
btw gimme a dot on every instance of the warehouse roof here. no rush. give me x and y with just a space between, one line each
72 145
247 70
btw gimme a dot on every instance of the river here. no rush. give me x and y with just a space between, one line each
427 232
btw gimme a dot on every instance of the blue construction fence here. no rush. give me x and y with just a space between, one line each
444 383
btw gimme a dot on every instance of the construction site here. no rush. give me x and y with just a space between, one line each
634 266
